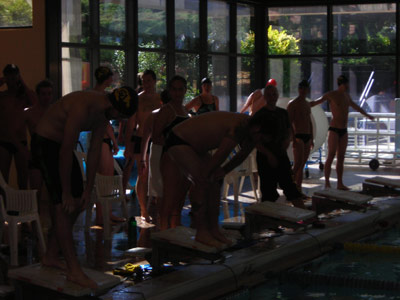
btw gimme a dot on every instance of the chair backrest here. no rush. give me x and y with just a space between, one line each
81 157
108 185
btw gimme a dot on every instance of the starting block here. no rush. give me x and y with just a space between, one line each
381 186
330 199
272 215
54 280
177 242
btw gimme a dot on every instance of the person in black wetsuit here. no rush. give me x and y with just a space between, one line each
206 101
169 116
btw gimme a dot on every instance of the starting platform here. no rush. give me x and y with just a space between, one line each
271 215
44 278
325 201
381 186
177 242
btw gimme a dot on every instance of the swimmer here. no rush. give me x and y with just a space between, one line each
299 111
339 102
56 136
206 101
256 99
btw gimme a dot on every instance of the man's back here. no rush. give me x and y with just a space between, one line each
83 109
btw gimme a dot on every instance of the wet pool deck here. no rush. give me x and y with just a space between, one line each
200 279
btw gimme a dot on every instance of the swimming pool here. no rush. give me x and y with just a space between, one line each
340 274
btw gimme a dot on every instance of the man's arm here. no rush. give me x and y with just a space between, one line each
248 103
238 158
110 133
360 110
193 103
319 100
147 130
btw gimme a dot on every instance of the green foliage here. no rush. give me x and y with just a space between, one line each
153 61
15 13
282 43
112 23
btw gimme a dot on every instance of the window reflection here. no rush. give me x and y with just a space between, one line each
218 26
187 65
112 22
152 23
186 24
76 70
218 70
75 21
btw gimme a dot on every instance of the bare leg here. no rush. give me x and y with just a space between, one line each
21 164
126 174
298 155
333 140
341 151
141 191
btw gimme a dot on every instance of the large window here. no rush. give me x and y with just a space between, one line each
238 44
15 13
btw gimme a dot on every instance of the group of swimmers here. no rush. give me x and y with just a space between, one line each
188 155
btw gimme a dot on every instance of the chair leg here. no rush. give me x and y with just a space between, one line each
253 186
13 232
225 189
42 242
88 217
236 190
106 219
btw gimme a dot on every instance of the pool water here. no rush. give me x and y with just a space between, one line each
361 276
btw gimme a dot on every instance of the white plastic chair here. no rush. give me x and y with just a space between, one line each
108 190
20 207
246 168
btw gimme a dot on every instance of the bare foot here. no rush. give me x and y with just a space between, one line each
82 279
327 185
53 262
117 219
209 241
219 236
298 203
343 188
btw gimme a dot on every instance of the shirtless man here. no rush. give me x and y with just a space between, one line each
299 111
149 100
13 143
190 152
256 99
55 140
339 103
44 91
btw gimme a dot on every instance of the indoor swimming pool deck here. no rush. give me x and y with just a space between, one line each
245 265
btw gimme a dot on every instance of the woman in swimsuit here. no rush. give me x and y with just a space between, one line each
170 115
206 101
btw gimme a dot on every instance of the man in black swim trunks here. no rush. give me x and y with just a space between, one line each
299 111
55 139
339 102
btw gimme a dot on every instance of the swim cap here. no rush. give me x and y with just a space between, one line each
125 100
102 73
206 80
271 82
10 69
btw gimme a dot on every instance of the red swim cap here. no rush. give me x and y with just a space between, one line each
271 82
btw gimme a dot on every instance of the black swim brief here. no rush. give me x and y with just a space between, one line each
305 137
340 131
173 140
108 142
10 147
47 154
137 141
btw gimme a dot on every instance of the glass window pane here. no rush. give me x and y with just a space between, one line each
372 81
187 65
218 70
76 70
112 22
364 28
245 29
152 23
288 72
75 21
218 26
186 24
154 61
297 30
15 13
115 60
245 79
